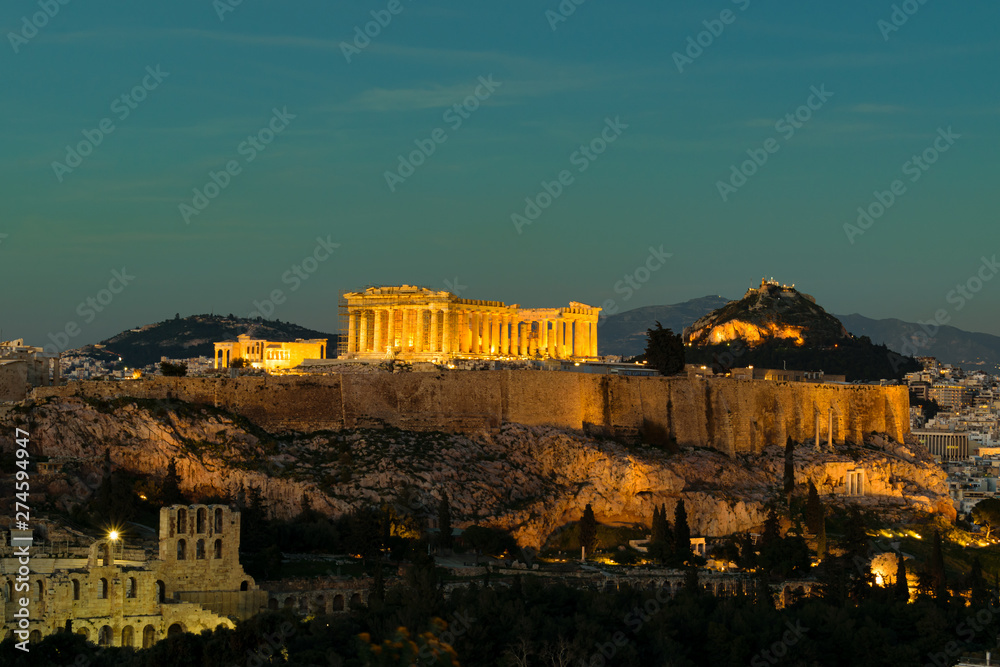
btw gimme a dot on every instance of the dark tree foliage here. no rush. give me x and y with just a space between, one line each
789 476
857 358
588 529
173 370
936 568
661 543
664 350
170 490
444 522
489 541
979 595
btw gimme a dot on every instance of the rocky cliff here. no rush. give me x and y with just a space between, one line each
531 479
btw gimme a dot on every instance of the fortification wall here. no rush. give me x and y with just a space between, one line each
729 415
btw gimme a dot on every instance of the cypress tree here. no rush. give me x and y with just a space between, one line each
588 529
937 571
902 588
814 509
682 533
789 469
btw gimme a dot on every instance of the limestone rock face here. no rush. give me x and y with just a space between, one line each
531 480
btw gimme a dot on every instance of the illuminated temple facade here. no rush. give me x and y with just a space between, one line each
417 323
268 355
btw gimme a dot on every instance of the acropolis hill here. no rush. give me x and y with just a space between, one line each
725 414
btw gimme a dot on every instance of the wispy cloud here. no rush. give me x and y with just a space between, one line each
877 108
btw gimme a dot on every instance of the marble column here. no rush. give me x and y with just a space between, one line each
560 338
543 336
519 336
830 443
593 339
363 332
435 316
447 331
352 329
377 345
577 338
419 335
476 333
390 329
495 333
505 335
553 338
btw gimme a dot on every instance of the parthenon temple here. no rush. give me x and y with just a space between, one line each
417 323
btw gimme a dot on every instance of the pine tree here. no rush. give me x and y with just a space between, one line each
902 587
444 522
682 533
821 537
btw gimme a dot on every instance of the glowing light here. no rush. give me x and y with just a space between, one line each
113 536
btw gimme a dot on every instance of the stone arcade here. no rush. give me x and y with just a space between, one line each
116 596
416 323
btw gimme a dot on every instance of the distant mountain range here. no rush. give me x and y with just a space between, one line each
625 334
187 337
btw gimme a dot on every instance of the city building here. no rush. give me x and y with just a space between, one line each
419 324
23 367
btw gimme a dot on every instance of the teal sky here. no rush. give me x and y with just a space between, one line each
62 233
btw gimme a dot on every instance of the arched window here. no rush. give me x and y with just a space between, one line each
130 587
175 629
128 636
218 548
102 589
38 590
218 520
35 637
104 636
161 593
338 603
76 589
199 550
245 586
181 549
202 517
182 521
148 636
8 590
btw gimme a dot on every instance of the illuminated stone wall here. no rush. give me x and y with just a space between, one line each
113 598
729 415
